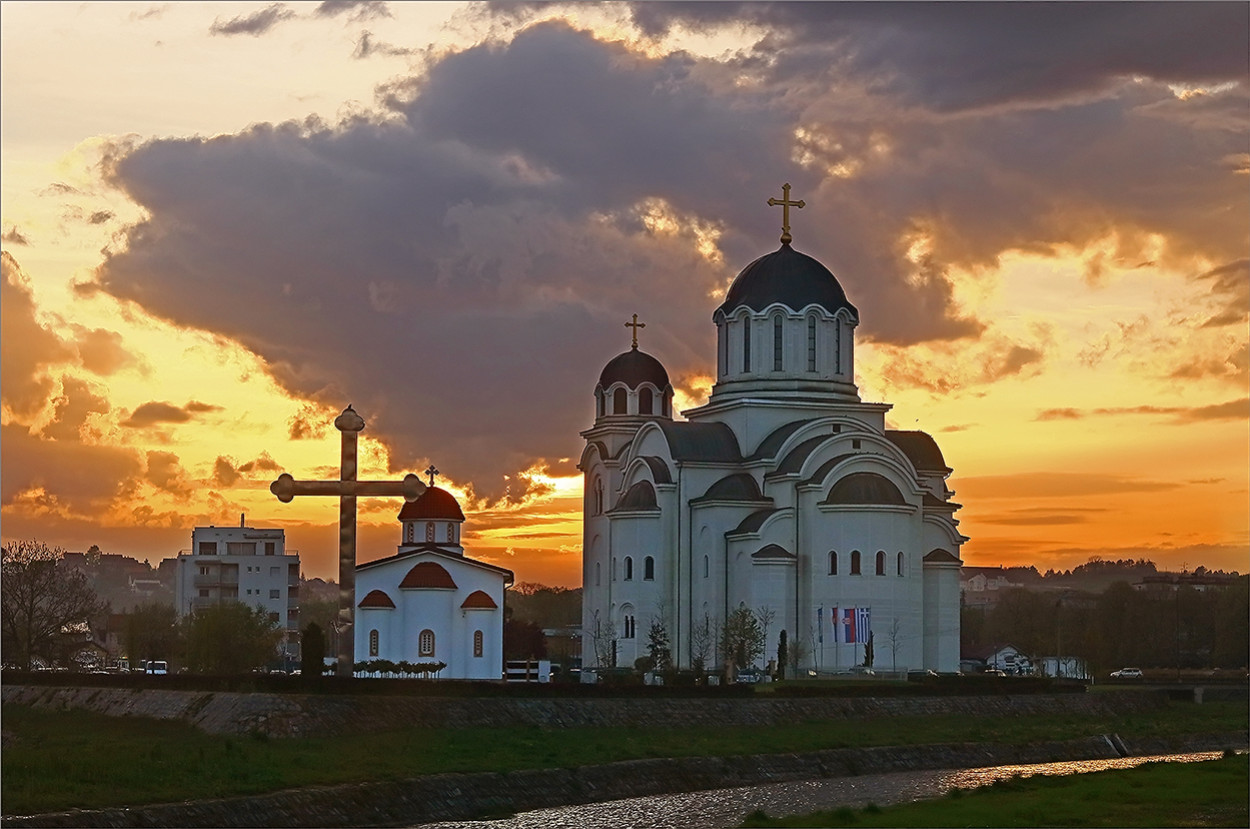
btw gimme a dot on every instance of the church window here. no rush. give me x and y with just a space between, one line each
746 345
837 346
613 568
477 643
620 402
722 349
833 563
667 407
644 401
429 530
597 574
811 343
629 568
900 564
880 562
629 628
425 643
598 495
648 568
373 643
855 563
705 567
451 532
777 340
599 403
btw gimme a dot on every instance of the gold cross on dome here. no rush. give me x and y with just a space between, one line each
432 470
635 325
786 204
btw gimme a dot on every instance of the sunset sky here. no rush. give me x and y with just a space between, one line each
223 222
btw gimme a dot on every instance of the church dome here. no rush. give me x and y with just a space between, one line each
633 368
794 279
434 503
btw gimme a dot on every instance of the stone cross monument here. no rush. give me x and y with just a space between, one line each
347 488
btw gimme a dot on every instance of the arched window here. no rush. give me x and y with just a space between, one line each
412 532
837 346
667 407
620 402
451 531
705 567
648 569
746 345
833 563
644 401
425 643
599 404
373 643
598 495
597 574
722 348
855 562
777 338
477 643
811 343
880 562
628 627
629 568
900 564
429 530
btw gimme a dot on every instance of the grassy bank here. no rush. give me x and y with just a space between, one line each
1212 793
55 760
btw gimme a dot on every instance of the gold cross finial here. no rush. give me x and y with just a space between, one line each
635 325
432 470
786 204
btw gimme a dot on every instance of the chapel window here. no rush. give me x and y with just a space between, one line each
477 643
900 564
811 343
451 531
620 402
777 339
746 345
648 569
629 568
429 530
722 348
705 567
373 643
837 346
425 643
833 563
880 562
855 563
644 401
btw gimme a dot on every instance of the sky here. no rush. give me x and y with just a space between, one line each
224 222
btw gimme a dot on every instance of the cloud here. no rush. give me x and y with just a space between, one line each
355 9
943 368
13 236
155 412
165 472
99 217
1231 410
29 347
61 477
1053 485
1229 285
264 463
101 351
224 473
78 401
254 24
367 46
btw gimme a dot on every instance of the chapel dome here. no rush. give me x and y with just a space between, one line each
794 279
434 503
633 368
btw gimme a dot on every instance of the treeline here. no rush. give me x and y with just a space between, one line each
1121 626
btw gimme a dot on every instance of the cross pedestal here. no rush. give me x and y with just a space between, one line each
347 488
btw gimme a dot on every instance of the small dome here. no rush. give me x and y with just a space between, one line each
428 574
376 598
434 503
479 599
794 279
633 368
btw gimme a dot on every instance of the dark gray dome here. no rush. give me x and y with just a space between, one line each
633 368
794 279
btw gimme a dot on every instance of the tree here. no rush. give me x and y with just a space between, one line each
702 644
229 638
743 640
869 651
313 651
782 655
895 634
766 615
603 639
523 640
151 632
39 598
658 649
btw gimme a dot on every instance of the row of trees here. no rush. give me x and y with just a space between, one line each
45 607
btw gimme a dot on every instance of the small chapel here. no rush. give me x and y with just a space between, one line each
784 494
430 602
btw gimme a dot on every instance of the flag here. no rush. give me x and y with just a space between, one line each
820 624
833 623
863 624
848 626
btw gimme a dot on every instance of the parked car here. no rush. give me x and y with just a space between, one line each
156 666
1127 673
994 672
862 670
748 676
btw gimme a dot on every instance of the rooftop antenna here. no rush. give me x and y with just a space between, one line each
242 516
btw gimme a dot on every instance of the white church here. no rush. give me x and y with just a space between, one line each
785 494
430 602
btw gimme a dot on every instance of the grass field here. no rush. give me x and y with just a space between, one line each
1212 793
54 760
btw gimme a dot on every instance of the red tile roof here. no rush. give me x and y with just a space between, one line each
376 598
479 598
428 574
434 503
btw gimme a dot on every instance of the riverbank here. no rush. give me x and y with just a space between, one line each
444 797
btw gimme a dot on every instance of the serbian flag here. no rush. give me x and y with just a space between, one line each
849 626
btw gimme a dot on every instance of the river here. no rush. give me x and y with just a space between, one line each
719 808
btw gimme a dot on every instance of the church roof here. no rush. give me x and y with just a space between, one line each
640 496
454 559
794 279
428 574
714 442
659 469
823 470
740 486
376 598
770 445
479 599
940 555
754 521
931 500
434 503
864 488
793 462
633 368
920 448
772 551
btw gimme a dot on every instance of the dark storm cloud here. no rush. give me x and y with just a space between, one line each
155 412
460 271
254 24
51 475
29 347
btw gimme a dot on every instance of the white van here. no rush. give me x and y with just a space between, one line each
156 667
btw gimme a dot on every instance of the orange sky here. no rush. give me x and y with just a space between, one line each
1052 280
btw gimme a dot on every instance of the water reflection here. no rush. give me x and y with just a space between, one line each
719 808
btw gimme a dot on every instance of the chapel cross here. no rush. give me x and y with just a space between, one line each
786 204
432 471
635 325
347 488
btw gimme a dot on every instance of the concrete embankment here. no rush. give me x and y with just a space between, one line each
463 796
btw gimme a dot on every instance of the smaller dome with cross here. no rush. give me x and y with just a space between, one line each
435 503
432 521
634 384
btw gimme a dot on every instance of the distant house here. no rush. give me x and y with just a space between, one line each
1002 657
983 585
1199 580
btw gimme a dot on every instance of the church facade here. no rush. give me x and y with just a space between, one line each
430 602
784 494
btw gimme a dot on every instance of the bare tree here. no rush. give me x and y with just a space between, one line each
41 599
896 637
765 615
703 640
603 637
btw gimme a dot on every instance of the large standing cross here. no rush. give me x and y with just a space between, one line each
786 204
635 325
347 488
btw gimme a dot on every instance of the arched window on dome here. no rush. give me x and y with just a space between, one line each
855 563
833 563
777 343
648 569
373 643
629 568
880 562
811 343
644 401
746 345
620 402
599 403
837 346
429 530
900 563
705 566
598 579
425 643
722 347
478 643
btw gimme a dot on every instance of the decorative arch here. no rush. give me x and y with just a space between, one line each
833 562
645 404
901 569
629 568
864 488
855 569
648 568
